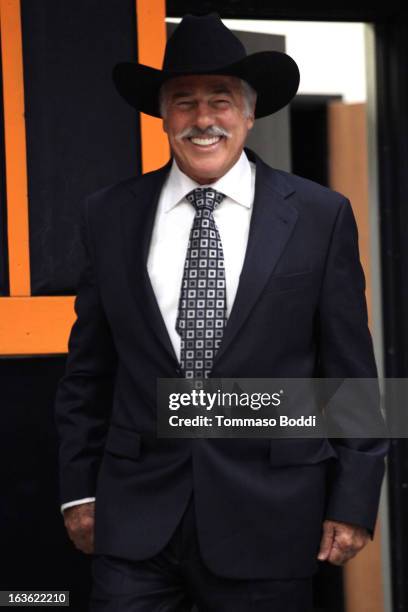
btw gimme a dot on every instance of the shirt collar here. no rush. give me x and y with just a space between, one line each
237 184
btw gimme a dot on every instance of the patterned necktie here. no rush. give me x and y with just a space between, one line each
202 313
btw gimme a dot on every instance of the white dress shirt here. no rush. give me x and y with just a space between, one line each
171 230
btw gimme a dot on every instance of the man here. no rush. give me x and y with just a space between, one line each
266 265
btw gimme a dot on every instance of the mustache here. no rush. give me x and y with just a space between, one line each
195 132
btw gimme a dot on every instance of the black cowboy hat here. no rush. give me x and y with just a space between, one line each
204 45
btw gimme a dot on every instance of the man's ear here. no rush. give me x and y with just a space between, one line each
250 122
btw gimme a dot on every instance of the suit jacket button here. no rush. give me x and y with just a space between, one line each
178 372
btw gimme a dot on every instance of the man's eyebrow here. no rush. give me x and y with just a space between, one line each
180 94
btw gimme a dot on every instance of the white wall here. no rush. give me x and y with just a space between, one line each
330 56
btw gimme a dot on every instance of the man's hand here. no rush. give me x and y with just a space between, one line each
79 522
341 541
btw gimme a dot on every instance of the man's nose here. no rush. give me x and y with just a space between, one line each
204 116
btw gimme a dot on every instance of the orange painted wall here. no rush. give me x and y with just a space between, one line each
41 325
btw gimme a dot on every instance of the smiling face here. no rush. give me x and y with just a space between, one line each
206 123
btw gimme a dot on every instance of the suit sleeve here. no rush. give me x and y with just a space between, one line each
346 351
84 394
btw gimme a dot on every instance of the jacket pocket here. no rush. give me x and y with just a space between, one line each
300 451
123 442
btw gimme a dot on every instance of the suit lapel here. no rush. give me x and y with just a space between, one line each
272 223
137 219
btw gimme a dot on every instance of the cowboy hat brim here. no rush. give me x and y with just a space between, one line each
273 74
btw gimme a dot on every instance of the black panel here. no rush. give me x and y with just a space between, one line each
392 93
4 279
309 156
80 134
36 552
309 137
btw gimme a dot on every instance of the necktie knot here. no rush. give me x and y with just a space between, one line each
205 197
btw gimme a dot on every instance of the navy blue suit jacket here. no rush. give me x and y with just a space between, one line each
299 311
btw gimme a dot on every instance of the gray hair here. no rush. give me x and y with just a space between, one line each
248 93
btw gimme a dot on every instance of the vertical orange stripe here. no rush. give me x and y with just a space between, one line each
348 169
15 147
151 39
